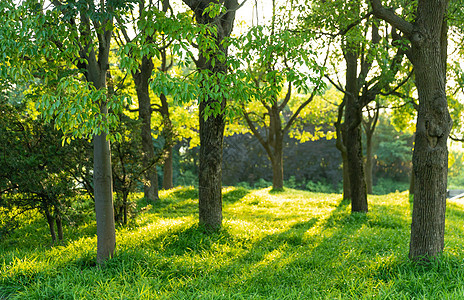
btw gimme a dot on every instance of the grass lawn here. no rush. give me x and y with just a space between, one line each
285 245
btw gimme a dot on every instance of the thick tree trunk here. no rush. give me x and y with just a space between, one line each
353 116
210 171
428 36
356 171
430 157
212 129
141 79
277 169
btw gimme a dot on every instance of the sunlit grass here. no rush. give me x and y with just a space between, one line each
273 245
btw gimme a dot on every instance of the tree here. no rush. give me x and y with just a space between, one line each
217 19
426 32
369 123
156 29
277 62
361 46
34 166
67 47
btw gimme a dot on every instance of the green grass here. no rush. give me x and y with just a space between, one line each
273 245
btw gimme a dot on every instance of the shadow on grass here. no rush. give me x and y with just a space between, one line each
234 195
351 254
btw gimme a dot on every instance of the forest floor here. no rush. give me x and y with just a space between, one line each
282 245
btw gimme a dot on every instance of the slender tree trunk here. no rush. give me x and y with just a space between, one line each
51 223
341 146
369 162
141 79
167 170
276 141
125 204
430 157
59 223
353 115
169 140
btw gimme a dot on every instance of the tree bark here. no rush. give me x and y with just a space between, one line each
210 171
353 116
167 170
141 79
51 223
340 144
428 37
212 128
102 173
59 223
430 157
103 190
168 139
346 176
278 169
369 164
369 128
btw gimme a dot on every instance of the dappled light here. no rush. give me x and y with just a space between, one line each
291 244
210 149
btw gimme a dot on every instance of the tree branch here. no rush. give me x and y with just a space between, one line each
389 16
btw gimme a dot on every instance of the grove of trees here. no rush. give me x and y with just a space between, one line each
113 97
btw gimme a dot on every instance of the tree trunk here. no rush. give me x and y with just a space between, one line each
276 141
277 170
125 204
353 116
59 223
346 176
356 171
167 170
141 79
369 162
430 157
212 129
51 224
169 140
103 189
428 36
341 146
210 171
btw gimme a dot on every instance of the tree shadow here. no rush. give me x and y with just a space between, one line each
234 195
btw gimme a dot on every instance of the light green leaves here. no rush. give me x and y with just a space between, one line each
78 109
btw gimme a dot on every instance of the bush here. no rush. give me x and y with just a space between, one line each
187 179
319 187
387 185
262 183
